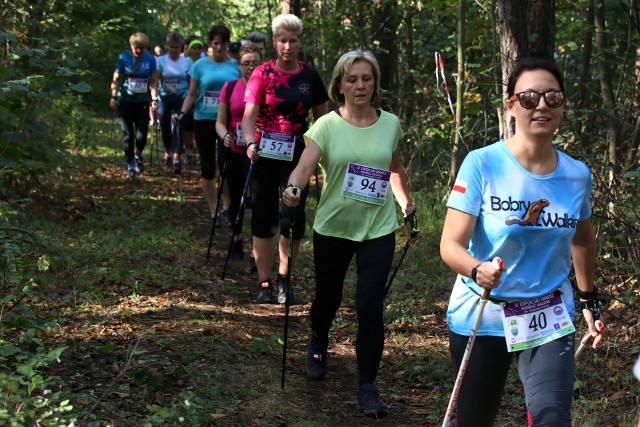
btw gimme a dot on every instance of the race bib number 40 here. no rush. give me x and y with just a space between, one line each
366 184
531 323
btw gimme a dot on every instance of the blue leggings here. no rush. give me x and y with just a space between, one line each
546 373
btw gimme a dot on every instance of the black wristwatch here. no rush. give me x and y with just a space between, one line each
474 272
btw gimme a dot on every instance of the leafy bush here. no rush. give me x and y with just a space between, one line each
27 397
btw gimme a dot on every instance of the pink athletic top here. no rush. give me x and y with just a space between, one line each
236 110
284 98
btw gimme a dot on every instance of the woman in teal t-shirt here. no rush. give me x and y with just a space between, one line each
208 75
357 148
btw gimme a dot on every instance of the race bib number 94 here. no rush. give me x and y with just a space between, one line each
366 184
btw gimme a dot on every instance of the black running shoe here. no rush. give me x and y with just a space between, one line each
236 250
281 283
265 295
316 364
369 401
226 216
176 169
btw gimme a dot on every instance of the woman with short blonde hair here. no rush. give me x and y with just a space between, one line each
139 39
279 96
286 22
133 91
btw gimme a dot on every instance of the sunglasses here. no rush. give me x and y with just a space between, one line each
530 99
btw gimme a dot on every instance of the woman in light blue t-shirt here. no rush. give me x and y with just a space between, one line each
529 204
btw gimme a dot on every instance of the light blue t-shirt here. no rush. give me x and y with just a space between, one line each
211 76
527 220
173 75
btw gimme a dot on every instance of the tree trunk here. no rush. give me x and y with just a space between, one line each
633 158
583 86
542 29
384 33
527 28
606 85
512 21
457 144
291 6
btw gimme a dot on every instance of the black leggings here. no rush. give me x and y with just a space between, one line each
268 181
236 173
546 373
205 132
171 104
332 256
134 120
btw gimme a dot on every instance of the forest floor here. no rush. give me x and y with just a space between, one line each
153 336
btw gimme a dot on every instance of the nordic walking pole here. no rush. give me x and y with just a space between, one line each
412 221
318 186
177 143
238 219
215 215
395 270
497 263
583 344
287 303
113 123
154 139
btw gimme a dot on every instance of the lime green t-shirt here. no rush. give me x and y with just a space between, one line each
341 144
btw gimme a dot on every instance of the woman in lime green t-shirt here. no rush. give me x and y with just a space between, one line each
357 148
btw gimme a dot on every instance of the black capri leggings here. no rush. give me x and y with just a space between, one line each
268 181
205 133
546 373
332 256
236 174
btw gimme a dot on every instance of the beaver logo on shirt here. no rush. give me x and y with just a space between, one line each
531 216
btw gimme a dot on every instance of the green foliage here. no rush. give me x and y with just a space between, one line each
27 396
32 80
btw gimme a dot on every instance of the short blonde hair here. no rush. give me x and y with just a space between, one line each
287 22
344 64
139 39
